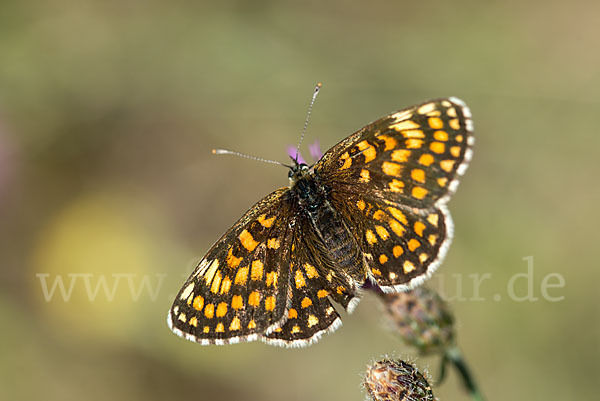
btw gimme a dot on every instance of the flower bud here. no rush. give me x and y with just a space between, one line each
390 380
422 319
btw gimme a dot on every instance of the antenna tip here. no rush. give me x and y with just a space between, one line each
214 151
318 86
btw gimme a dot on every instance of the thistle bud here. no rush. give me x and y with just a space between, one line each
390 380
422 319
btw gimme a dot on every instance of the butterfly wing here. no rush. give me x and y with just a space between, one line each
239 290
410 161
311 313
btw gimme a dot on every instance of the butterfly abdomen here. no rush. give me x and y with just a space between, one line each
337 245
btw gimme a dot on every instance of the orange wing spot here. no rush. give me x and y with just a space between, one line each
398 215
272 278
340 289
214 288
459 138
436 122
247 241
329 277
198 303
401 155
236 324
371 238
437 147
402 115
361 204
451 112
382 232
232 261
418 175
221 309
206 329
442 181
454 124
441 136
312 320
419 192
408 266
311 271
379 215
413 134
267 223
368 150
270 303
182 317
251 324
397 228
225 285
295 329
455 151
346 161
241 276
254 298
396 186
390 143
193 321
423 257
426 108
392 169
273 243
383 258
292 313
209 311
364 176
210 273
414 143
398 251
220 328
419 227
426 159
404 125
257 270
433 219
413 244
322 293
299 279
432 239
447 165
376 272
306 302
237 302
187 291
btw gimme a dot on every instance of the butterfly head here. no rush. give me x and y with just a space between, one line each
297 172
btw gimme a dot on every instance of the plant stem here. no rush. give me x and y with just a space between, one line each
454 355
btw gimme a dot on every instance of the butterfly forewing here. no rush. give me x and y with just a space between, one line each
239 289
413 156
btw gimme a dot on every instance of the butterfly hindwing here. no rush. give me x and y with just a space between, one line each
311 313
402 246
413 156
239 289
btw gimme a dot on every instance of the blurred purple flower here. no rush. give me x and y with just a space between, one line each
314 150
292 154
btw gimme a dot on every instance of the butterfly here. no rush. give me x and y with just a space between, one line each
371 211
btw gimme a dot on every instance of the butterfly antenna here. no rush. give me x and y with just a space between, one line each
260 159
312 101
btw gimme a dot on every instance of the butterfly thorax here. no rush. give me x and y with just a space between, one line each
334 243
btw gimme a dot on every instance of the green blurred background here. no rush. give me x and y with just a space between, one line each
109 110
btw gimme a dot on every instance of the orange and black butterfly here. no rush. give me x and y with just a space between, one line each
372 210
